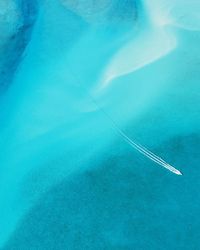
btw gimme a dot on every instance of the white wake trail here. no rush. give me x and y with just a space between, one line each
142 149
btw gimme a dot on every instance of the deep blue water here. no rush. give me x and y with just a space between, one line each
80 83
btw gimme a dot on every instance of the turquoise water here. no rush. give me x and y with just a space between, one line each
81 83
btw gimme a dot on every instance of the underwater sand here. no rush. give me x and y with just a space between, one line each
73 74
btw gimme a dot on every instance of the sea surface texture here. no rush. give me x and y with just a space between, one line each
99 124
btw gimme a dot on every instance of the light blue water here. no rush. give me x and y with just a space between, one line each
75 73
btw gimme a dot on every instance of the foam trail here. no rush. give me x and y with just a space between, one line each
135 145
143 150
150 155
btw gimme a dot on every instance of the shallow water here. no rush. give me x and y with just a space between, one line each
78 73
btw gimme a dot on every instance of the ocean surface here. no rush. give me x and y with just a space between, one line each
99 124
